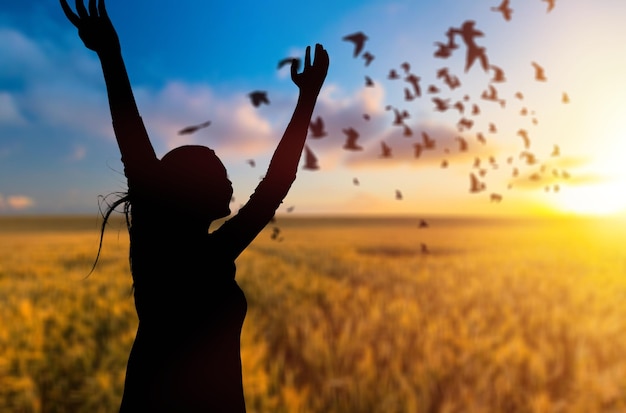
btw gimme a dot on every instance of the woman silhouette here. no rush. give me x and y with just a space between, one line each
186 354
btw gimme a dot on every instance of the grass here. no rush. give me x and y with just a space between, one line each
344 316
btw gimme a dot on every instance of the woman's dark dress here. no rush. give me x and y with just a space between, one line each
186 355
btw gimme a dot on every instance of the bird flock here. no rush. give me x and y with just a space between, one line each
524 165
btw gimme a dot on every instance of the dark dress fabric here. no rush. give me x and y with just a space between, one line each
186 354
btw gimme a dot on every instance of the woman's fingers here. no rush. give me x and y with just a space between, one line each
294 69
73 18
81 10
307 57
102 9
93 10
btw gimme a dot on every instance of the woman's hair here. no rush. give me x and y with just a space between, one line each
188 166
122 199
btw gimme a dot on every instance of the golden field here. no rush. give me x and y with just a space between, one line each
344 315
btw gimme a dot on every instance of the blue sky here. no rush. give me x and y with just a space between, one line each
192 61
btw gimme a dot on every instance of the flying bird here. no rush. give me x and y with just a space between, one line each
550 4
495 197
414 81
368 58
519 95
464 124
407 131
355 181
556 151
475 184
498 74
358 39
481 138
462 144
427 141
418 149
191 129
474 52
393 75
441 105
459 106
369 82
524 135
565 98
251 162
505 9
386 150
433 89
398 195
317 128
540 74
352 135
310 161
475 110
406 67
258 97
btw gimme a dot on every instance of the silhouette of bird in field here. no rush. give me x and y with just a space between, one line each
352 135
192 129
505 9
358 39
317 128
258 97
310 161
540 74
423 224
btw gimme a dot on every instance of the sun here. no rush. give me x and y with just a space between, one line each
602 198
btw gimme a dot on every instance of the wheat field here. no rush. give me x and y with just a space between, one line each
344 315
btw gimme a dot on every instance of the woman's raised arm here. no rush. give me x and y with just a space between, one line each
259 210
98 34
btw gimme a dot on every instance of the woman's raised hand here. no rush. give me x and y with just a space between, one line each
312 77
94 26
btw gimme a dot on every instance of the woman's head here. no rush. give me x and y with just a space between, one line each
197 183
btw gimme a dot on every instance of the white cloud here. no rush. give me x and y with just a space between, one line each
15 202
